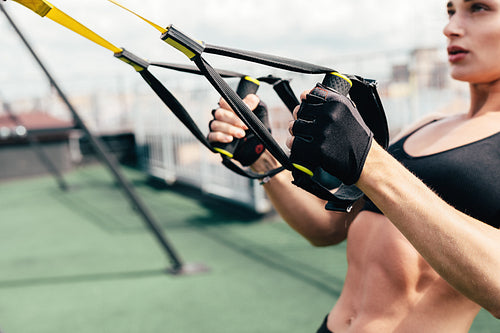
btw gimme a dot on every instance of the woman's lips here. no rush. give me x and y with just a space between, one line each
456 53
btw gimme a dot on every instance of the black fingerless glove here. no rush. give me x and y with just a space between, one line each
330 134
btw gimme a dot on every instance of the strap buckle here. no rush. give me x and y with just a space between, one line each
187 45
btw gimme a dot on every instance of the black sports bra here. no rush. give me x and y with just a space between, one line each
466 177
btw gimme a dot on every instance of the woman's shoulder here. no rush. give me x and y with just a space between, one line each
418 124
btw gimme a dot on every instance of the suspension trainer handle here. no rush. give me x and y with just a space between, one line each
193 49
283 90
246 86
338 82
363 94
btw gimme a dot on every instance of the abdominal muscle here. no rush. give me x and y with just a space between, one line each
389 287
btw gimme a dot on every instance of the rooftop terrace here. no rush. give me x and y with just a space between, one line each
82 261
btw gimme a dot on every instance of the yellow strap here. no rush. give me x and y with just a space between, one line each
58 16
38 6
43 8
156 26
170 41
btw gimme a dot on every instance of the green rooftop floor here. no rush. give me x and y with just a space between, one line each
83 261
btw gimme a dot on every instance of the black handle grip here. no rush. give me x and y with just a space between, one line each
338 82
285 92
246 86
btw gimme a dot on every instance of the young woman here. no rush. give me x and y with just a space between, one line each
423 252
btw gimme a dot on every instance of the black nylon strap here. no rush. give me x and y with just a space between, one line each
248 173
269 60
193 69
180 112
175 106
243 112
346 195
341 200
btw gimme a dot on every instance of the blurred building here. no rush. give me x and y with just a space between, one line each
31 143
419 86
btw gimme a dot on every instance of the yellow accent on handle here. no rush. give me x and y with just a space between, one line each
156 26
303 169
224 152
342 77
251 79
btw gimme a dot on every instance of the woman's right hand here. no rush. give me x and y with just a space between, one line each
226 125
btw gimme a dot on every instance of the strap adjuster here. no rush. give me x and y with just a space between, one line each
187 45
133 60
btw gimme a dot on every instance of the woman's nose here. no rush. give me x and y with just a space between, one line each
455 27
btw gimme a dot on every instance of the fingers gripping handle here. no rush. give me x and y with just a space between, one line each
342 85
246 86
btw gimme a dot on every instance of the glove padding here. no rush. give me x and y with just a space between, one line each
331 134
249 148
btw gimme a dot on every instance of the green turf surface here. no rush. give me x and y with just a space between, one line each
82 261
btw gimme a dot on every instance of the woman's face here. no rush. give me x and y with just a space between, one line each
473 33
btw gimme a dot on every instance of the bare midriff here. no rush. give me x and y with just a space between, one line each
390 288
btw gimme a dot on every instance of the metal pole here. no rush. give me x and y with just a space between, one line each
110 162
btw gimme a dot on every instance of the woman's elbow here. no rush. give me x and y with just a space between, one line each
320 243
326 240
492 303
495 311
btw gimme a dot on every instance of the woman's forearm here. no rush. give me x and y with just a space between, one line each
304 212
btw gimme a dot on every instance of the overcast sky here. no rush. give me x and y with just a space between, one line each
329 29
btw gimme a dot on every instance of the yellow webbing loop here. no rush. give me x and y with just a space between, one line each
156 26
38 6
44 8
58 16
190 54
